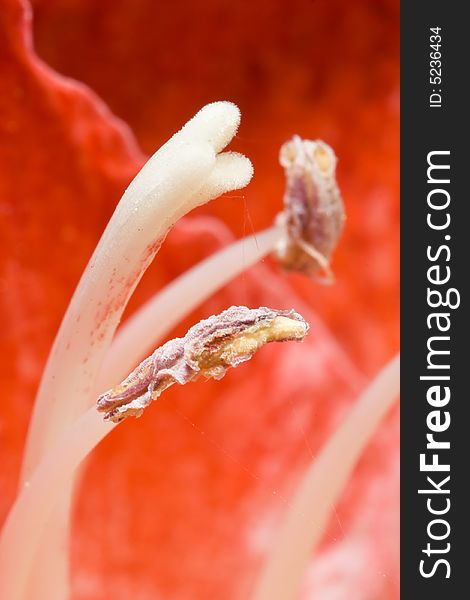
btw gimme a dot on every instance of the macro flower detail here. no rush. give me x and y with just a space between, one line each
208 349
313 217
198 499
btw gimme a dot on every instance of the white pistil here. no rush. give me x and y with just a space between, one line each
184 173
320 488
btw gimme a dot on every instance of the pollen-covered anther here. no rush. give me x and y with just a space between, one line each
313 216
208 349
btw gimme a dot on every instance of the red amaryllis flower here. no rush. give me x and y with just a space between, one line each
186 502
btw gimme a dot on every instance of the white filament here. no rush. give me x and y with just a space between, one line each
318 492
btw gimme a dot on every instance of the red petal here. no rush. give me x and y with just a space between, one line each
184 503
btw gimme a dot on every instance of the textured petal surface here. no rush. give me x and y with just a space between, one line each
184 503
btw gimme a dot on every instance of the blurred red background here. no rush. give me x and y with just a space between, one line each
322 69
